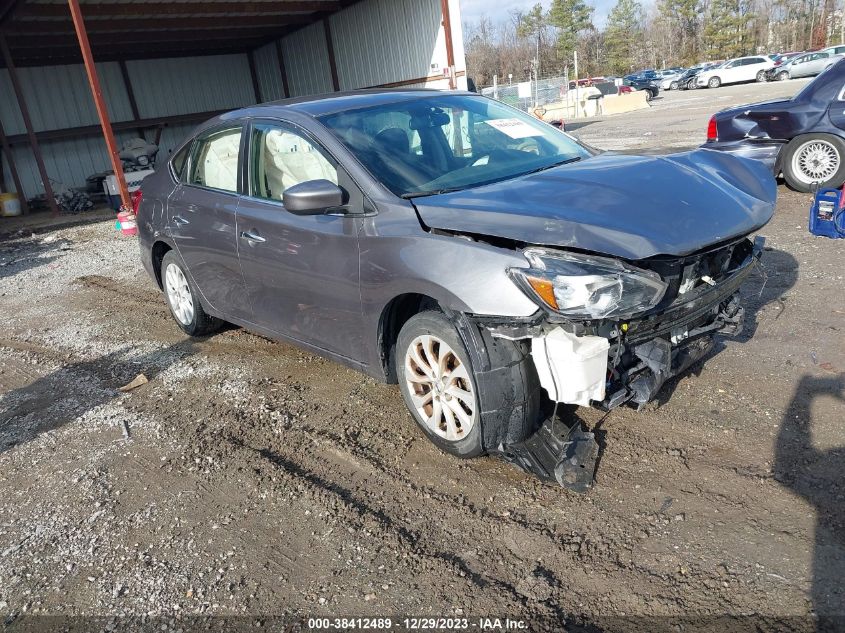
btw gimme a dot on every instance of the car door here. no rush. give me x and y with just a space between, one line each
202 213
731 72
750 67
301 271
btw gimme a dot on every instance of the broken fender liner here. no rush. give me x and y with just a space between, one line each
568 459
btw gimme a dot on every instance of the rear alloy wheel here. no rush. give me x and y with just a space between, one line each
783 75
814 160
714 82
761 76
183 298
673 85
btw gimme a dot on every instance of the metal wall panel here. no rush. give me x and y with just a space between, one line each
387 41
165 87
307 61
269 73
59 97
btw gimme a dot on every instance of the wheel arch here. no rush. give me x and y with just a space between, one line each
159 249
394 315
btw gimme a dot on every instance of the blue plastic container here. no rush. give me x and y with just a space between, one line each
827 217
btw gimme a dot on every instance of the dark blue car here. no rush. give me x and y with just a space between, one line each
802 138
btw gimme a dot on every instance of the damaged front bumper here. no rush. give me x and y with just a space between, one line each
609 364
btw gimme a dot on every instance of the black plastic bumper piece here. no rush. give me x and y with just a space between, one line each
568 459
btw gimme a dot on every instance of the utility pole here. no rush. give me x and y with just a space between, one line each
577 91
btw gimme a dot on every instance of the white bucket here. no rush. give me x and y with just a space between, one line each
10 205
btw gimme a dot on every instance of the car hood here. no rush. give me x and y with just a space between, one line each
632 207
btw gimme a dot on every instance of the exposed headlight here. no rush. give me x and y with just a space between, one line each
582 286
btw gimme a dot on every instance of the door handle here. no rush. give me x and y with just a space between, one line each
178 220
252 237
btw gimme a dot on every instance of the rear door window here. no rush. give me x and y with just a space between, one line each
216 160
179 161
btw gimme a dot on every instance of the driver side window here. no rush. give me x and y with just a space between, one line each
282 158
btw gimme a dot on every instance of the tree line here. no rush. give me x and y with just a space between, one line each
663 34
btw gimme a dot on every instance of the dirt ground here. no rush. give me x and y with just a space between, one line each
250 478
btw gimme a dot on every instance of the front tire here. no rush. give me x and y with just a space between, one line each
814 160
673 85
783 75
761 76
183 298
714 82
446 393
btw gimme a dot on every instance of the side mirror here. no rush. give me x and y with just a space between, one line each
312 197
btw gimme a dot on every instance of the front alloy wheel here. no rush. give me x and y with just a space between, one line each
440 387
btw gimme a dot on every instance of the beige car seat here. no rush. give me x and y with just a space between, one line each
220 168
289 160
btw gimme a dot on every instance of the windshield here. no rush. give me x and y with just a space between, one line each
449 142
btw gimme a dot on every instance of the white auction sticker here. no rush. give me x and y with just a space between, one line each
514 128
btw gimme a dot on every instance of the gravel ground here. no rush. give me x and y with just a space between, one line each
250 478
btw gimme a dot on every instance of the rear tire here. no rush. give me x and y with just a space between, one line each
504 405
673 85
814 160
714 82
183 298
761 76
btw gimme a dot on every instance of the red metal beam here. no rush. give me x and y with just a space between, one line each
153 9
450 46
95 130
13 169
332 60
99 102
66 56
150 38
158 24
27 121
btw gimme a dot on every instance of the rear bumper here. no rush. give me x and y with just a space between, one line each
766 152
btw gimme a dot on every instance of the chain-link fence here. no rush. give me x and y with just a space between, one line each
530 93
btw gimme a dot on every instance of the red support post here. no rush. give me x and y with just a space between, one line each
30 131
99 102
450 46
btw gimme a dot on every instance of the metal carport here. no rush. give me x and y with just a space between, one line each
165 66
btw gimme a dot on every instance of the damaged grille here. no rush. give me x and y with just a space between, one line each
698 285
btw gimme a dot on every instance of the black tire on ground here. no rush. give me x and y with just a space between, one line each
714 82
202 323
692 85
761 76
673 85
783 75
796 145
508 396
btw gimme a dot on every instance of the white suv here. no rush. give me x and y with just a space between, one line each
735 71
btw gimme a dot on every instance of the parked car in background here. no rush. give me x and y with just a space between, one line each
671 81
807 65
802 138
481 259
782 59
687 79
737 70
650 86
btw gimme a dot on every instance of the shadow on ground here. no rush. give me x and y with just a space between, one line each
817 477
73 390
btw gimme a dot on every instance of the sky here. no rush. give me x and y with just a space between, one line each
498 10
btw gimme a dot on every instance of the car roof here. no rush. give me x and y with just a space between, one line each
322 104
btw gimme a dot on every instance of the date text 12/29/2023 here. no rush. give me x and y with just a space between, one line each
417 624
